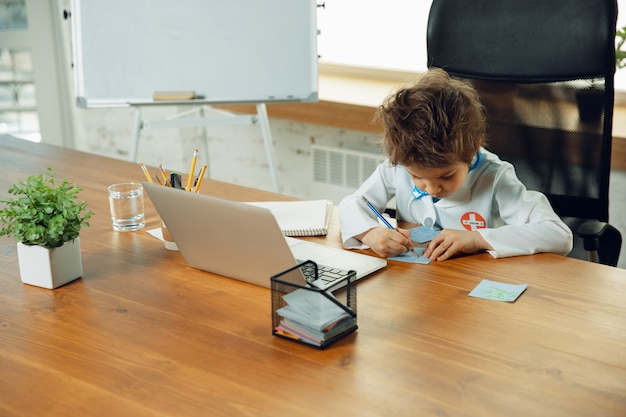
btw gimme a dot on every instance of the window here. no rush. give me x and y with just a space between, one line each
18 111
386 35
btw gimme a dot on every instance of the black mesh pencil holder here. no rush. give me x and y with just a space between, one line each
306 314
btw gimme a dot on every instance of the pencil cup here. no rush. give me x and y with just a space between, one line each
126 202
167 238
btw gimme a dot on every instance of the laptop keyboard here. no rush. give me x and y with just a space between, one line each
327 276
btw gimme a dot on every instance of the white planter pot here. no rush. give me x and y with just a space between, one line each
50 268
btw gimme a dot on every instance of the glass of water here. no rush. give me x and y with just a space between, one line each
126 202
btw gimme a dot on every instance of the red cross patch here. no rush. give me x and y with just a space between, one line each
473 221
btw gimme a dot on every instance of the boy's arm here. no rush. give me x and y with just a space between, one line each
355 218
387 242
531 226
450 242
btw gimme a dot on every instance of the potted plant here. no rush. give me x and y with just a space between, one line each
45 219
620 55
591 98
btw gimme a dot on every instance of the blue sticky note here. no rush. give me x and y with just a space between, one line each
423 234
499 291
410 257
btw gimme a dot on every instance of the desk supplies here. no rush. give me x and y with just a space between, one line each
192 170
166 181
499 291
244 241
168 240
145 172
176 180
300 218
382 218
174 95
411 257
199 179
309 315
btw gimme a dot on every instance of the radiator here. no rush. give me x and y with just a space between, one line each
338 172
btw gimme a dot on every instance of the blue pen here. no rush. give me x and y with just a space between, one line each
382 218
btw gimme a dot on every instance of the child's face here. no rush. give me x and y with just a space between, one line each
439 182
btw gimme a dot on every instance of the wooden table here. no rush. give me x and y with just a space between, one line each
142 334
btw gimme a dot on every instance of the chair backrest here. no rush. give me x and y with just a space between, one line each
529 60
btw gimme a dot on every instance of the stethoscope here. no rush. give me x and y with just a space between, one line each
419 194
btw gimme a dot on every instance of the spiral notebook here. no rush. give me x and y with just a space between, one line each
300 218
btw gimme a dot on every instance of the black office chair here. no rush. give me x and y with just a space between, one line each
531 60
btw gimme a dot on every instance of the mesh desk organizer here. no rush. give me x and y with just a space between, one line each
309 315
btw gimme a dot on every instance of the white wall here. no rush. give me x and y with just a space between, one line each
236 155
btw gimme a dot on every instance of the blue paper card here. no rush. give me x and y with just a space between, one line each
423 234
499 291
410 257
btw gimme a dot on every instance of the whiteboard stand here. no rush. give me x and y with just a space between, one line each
209 116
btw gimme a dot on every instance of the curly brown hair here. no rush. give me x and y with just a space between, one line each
437 122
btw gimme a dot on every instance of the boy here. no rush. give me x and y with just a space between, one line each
442 177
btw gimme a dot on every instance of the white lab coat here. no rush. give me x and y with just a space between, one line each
492 200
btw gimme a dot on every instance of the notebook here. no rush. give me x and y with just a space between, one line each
300 218
243 241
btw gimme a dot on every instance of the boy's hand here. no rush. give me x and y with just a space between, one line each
386 242
450 242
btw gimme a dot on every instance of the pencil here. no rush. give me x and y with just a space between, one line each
164 175
200 176
382 218
194 158
145 172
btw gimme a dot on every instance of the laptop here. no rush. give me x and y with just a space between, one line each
243 241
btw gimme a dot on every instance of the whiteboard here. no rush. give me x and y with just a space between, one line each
226 51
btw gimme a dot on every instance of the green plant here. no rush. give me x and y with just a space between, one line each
620 55
42 212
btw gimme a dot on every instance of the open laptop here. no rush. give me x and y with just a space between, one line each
243 241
